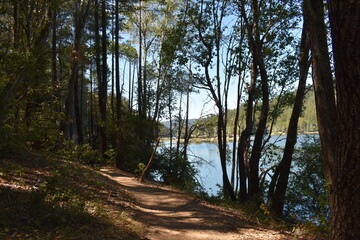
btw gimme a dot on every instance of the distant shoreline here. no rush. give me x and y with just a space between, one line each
230 139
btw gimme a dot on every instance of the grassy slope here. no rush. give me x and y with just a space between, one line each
55 199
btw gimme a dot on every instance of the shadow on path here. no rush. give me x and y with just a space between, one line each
173 215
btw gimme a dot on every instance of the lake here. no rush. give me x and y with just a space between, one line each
207 161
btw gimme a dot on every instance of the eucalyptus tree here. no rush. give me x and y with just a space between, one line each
141 25
338 120
270 43
207 18
72 109
100 10
157 44
280 178
119 113
344 200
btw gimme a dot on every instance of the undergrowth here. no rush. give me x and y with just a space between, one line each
47 198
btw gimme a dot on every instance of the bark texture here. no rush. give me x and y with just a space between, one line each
323 82
345 188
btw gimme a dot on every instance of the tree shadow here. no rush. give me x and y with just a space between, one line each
166 208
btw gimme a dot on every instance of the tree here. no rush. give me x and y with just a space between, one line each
72 109
208 24
323 82
279 181
25 89
271 68
338 122
345 185
101 68
119 115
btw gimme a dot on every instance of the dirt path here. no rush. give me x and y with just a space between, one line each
171 215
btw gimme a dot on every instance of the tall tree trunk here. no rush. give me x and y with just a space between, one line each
279 181
16 24
179 126
144 85
158 84
244 140
130 87
186 134
72 100
119 136
171 123
323 82
256 49
98 58
235 132
220 97
140 81
103 83
54 45
78 115
344 194
91 119
112 94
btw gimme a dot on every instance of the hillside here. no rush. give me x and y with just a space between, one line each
307 121
45 198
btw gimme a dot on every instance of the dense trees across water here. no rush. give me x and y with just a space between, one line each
206 127
99 75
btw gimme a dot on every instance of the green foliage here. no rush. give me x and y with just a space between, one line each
206 127
307 198
174 169
55 199
307 121
85 154
140 169
40 132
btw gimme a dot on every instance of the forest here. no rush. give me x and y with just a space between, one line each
206 126
94 80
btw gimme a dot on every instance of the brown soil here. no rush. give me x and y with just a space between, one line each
126 209
169 214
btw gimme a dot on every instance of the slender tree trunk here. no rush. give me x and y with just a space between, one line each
186 135
112 94
344 194
244 140
150 161
144 79
98 58
72 101
54 45
103 83
158 84
120 162
179 126
323 82
130 87
171 124
235 132
91 135
279 181
258 58
16 24
140 84
77 105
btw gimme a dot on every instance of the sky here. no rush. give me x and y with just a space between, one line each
200 103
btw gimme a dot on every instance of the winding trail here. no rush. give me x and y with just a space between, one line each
172 215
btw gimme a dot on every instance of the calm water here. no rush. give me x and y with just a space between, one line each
206 159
